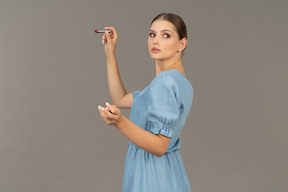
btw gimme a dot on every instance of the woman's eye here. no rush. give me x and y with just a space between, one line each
166 35
152 35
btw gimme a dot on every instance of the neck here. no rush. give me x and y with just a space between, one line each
165 65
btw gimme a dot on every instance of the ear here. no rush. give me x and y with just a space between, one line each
183 43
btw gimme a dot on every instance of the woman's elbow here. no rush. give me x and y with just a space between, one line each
163 145
160 152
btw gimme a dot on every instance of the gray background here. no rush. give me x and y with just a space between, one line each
53 77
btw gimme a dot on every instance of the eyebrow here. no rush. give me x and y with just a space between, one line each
162 30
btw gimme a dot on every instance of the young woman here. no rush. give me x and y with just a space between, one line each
158 112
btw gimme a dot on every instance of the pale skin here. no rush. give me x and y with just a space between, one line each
163 37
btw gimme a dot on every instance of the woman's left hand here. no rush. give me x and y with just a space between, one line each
111 114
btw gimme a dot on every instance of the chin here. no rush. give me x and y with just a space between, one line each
156 56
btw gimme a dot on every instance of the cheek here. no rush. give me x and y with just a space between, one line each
171 46
149 42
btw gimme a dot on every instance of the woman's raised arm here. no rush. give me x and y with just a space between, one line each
118 93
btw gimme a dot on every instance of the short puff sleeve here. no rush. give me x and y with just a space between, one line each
135 93
163 106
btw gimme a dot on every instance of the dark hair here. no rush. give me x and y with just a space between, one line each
176 20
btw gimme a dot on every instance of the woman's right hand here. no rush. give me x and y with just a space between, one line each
110 40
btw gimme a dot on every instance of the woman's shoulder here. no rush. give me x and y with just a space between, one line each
163 79
172 77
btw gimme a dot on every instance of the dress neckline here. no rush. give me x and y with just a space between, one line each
175 71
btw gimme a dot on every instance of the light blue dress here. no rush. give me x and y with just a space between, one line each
161 108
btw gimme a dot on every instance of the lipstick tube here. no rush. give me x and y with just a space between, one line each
102 30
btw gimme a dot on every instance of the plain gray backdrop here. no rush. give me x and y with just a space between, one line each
53 76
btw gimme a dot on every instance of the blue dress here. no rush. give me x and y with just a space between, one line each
161 108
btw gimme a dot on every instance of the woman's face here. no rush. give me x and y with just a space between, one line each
163 41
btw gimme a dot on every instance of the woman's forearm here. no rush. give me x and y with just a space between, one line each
116 87
148 141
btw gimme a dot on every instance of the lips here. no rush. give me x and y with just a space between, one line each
155 50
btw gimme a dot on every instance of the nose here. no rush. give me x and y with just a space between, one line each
155 41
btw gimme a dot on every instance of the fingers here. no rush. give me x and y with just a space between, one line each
113 31
110 36
107 112
111 108
111 114
101 111
103 39
105 115
106 38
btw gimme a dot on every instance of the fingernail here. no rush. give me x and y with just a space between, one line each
99 107
107 103
102 108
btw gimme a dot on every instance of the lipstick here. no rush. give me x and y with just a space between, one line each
102 30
